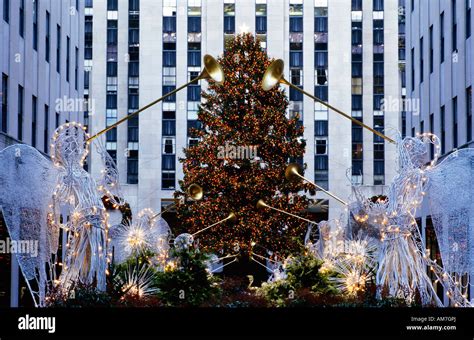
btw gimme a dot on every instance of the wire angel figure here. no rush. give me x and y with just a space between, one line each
403 260
77 194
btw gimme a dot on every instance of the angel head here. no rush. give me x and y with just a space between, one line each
414 151
70 145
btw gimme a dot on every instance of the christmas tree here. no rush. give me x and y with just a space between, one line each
245 145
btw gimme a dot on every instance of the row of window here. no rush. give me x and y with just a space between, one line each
111 86
431 47
321 164
168 158
455 122
133 92
20 115
47 39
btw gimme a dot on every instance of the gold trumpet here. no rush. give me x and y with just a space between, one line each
194 192
262 205
232 218
212 70
293 173
274 75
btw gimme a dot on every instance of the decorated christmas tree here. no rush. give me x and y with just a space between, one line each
245 145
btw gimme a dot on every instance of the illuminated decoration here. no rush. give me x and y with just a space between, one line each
136 282
27 179
77 194
59 195
144 234
212 70
240 113
109 182
403 259
274 76
183 241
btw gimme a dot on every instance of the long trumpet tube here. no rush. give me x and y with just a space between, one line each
323 190
230 217
127 117
261 203
329 106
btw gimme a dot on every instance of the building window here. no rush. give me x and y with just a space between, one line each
431 130
356 5
168 180
468 18
194 7
441 38
35 24
34 117
455 26
46 128
112 33
443 129
321 128
455 122
133 5
22 18
431 49
378 5
321 172
296 59
229 17
4 118
169 58
112 5
379 171
421 61
413 69
168 162
68 56
88 28
132 167
20 112
47 37
469 113
58 48
261 17
6 10
76 68
321 146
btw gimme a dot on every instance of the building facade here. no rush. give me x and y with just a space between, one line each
41 61
440 76
346 52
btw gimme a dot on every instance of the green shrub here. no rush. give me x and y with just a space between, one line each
189 284
303 279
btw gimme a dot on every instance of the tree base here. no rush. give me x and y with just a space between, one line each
245 267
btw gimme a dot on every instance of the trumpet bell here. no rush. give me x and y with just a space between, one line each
293 172
212 70
232 218
195 192
261 204
273 75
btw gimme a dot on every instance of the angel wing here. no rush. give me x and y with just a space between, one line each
451 195
27 179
